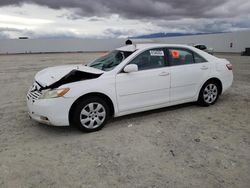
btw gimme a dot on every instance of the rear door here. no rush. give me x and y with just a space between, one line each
188 72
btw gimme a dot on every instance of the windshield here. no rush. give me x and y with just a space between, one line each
109 61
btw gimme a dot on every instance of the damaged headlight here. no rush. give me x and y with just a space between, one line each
47 94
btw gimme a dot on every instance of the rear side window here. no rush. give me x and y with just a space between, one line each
199 59
150 59
180 57
184 57
202 47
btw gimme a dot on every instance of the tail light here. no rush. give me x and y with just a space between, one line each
229 66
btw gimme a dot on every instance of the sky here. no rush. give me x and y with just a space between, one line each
119 18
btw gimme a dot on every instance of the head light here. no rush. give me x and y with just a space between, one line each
47 94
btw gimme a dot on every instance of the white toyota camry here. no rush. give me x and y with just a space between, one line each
130 79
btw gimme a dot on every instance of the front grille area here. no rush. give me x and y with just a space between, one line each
34 92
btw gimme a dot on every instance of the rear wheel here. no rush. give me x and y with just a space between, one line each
209 93
91 114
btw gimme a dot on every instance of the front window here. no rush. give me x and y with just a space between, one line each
150 59
110 60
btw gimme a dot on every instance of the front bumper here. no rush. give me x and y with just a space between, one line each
53 111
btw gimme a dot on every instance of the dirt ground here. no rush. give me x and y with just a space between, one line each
181 146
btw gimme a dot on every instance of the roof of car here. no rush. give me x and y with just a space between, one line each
134 47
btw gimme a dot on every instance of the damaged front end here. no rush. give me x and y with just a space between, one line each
73 76
47 81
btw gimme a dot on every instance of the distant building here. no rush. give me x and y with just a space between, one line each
235 42
221 42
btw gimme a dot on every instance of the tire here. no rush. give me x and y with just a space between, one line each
91 114
209 93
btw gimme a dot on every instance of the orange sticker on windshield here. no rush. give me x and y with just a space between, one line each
175 54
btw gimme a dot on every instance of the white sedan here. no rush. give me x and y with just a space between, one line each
130 79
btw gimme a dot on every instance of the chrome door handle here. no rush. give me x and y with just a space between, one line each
204 68
164 74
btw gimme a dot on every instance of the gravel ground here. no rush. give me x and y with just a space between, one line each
181 146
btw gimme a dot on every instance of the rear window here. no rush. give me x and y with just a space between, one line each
184 57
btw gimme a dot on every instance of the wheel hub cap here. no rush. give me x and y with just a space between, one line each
92 115
210 93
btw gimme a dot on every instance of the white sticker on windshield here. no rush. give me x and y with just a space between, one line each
156 52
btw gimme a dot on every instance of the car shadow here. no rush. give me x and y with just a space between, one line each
155 111
56 130
66 130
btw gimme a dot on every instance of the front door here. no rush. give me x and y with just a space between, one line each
148 86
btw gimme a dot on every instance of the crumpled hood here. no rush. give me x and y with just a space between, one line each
51 75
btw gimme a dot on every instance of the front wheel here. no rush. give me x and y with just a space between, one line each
209 94
91 114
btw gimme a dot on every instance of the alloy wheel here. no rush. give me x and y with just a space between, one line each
210 93
92 115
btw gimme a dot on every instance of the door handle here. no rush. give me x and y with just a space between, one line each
204 68
164 74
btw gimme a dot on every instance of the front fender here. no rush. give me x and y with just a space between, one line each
101 86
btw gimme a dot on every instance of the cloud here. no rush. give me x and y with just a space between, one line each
6 32
205 25
119 33
4 29
147 9
4 35
119 18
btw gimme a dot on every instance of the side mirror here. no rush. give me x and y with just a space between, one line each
130 68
